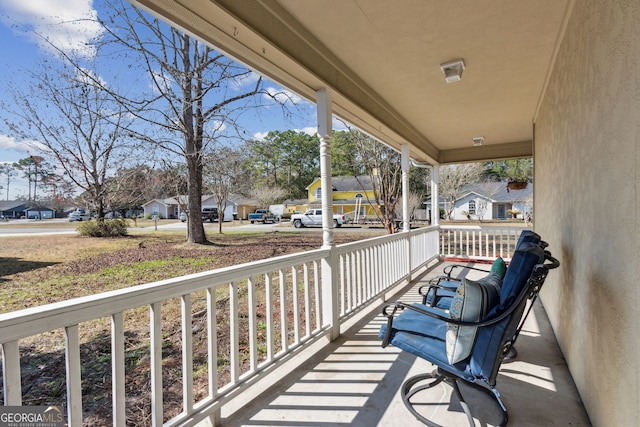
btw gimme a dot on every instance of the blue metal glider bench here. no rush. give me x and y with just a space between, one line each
468 344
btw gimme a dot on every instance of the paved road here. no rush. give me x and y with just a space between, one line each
25 227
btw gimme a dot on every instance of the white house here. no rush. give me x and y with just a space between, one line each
492 200
171 208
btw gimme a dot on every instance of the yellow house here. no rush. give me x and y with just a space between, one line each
352 196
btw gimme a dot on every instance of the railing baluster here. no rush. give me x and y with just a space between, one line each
284 330
234 356
296 304
212 342
155 332
307 299
187 355
371 271
473 242
318 300
468 251
12 383
353 288
269 301
253 324
343 288
117 369
74 380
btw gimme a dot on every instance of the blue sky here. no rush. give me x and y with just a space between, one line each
21 49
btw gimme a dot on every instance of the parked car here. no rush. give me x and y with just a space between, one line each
209 214
264 216
79 215
314 217
111 215
183 216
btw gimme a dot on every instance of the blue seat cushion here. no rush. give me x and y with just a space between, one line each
443 302
424 337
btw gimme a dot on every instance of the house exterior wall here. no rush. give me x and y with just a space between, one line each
587 139
155 206
462 206
337 196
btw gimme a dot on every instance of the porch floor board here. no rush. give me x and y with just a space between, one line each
354 382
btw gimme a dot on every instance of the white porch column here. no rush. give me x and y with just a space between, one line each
405 187
330 307
324 133
435 206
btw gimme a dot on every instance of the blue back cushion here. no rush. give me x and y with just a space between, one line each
527 236
488 339
520 268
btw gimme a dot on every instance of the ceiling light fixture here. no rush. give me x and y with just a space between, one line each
452 70
477 140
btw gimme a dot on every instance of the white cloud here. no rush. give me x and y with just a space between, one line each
90 78
309 130
10 143
70 25
259 136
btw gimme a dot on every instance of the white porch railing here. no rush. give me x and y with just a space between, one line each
478 243
266 309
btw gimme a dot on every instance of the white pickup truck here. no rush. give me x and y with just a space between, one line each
314 217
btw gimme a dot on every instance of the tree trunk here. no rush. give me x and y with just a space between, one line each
194 188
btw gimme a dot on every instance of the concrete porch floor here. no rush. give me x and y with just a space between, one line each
354 382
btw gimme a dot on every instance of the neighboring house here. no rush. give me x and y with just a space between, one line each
486 201
237 206
12 209
351 195
164 208
40 212
242 206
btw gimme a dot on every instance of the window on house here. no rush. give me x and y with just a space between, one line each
319 193
472 207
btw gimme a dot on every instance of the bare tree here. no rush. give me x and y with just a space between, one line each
76 122
222 168
488 189
385 173
266 196
197 94
452 180
415 203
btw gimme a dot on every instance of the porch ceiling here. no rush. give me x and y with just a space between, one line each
381 60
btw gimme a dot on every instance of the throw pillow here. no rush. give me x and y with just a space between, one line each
499 267
471 302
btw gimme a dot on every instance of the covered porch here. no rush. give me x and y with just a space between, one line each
556 80
290 340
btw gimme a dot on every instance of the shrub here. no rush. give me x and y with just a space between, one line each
103 228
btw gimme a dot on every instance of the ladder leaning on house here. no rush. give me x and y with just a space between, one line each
356 215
